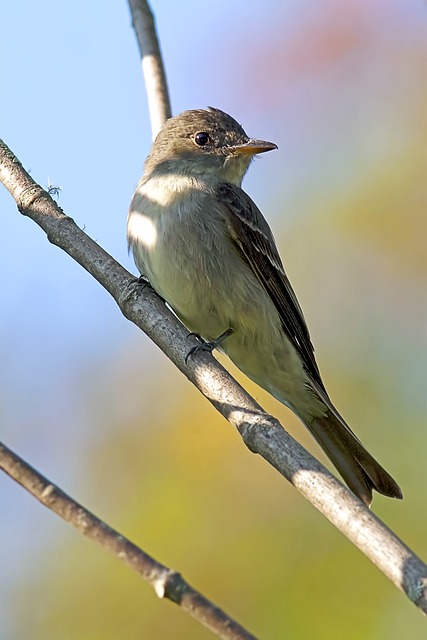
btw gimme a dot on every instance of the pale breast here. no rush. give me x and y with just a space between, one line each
182 248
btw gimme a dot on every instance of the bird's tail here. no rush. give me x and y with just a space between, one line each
358 468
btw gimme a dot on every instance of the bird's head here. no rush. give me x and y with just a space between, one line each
203 142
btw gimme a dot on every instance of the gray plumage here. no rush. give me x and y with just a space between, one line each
207 250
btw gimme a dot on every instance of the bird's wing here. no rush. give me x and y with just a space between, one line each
254 241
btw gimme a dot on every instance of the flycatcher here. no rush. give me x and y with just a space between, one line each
207 250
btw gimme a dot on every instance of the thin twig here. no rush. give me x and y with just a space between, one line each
261 433
166 582
159 106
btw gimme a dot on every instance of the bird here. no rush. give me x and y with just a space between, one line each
207 250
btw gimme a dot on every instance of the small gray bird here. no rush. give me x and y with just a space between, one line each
207 250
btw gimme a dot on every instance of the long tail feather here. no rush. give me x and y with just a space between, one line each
358 468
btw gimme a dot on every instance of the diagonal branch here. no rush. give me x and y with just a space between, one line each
261 433
152 64
166 582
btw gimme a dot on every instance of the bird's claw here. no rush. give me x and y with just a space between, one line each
142 281
203 346
206 345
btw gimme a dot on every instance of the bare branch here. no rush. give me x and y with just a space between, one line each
166 582
152 64
261 433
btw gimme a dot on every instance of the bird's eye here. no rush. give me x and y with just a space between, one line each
202 138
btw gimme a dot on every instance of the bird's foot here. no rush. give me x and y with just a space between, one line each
142 282
208 346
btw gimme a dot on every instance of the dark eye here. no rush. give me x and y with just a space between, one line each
202 138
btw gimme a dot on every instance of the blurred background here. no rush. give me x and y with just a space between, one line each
87 400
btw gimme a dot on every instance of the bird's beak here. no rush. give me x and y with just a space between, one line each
252 147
